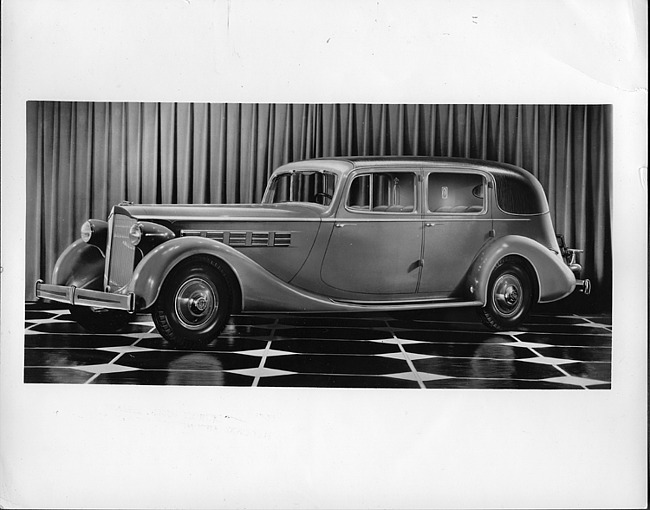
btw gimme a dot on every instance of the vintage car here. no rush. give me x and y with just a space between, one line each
331 235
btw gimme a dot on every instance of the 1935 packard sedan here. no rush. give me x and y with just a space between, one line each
331 235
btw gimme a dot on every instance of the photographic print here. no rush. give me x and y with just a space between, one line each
368 254
382 230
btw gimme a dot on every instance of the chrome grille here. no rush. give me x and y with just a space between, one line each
120 253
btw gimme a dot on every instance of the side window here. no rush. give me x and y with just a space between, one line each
383 192
455 193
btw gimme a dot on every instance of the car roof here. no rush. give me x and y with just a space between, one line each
344 165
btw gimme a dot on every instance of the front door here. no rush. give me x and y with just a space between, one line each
375 246
457 224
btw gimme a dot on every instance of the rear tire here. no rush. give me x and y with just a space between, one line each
510 297
99 320
194 303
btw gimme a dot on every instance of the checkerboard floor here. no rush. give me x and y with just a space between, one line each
442 349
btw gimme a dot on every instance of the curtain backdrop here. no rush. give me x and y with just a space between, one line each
84 157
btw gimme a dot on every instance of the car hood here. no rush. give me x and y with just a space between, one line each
251 212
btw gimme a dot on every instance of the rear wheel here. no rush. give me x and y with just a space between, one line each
99 320
194 303
509 297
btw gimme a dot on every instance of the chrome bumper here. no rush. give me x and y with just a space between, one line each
84 297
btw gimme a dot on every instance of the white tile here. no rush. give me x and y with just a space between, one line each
575 381
421 376
105 368
121 349
260 372
543 360
529 345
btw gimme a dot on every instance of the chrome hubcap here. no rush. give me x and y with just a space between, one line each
196 303
507 295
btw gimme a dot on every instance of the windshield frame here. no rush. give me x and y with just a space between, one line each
271 187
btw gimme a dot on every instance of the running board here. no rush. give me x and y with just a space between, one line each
410 304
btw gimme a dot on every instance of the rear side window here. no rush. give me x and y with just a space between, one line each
518 195
455 193
383 192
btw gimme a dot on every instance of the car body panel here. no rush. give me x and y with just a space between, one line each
345 255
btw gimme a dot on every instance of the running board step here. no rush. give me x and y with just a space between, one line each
412 304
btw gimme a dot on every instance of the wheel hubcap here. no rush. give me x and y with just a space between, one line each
507 295
196 303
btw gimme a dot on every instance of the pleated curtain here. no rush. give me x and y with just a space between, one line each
82 158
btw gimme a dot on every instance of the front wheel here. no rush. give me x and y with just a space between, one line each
194 304
509 297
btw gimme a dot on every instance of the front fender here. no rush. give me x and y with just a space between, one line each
554 278
81 265
260 290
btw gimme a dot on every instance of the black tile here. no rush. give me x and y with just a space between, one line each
438 336
221 344
245 331
514 384
139 318
175 378
252 320
603 354
607 386
74 328
439 326
332 364
485 368
335 381
541 320
55 375
453 315
331 333
86 341
567 340
303 346
66 357
590 370
564 329
462 350
35 315
42 305
331 322
177 360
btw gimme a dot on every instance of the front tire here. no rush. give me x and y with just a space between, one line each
509 297
194 303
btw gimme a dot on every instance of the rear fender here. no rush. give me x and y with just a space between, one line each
81 265
554 278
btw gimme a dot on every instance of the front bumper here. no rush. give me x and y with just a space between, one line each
85 297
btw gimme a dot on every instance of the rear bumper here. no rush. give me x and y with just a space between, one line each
85 297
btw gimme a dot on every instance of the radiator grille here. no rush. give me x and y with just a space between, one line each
121 253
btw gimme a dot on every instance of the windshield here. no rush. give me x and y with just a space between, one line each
316 187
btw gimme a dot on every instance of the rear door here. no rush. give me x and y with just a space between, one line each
457 223
375 245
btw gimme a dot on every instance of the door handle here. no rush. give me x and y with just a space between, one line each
429 224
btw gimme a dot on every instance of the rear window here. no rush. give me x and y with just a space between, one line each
518 195
455 193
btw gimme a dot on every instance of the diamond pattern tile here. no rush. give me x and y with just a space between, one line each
450 349
542 360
